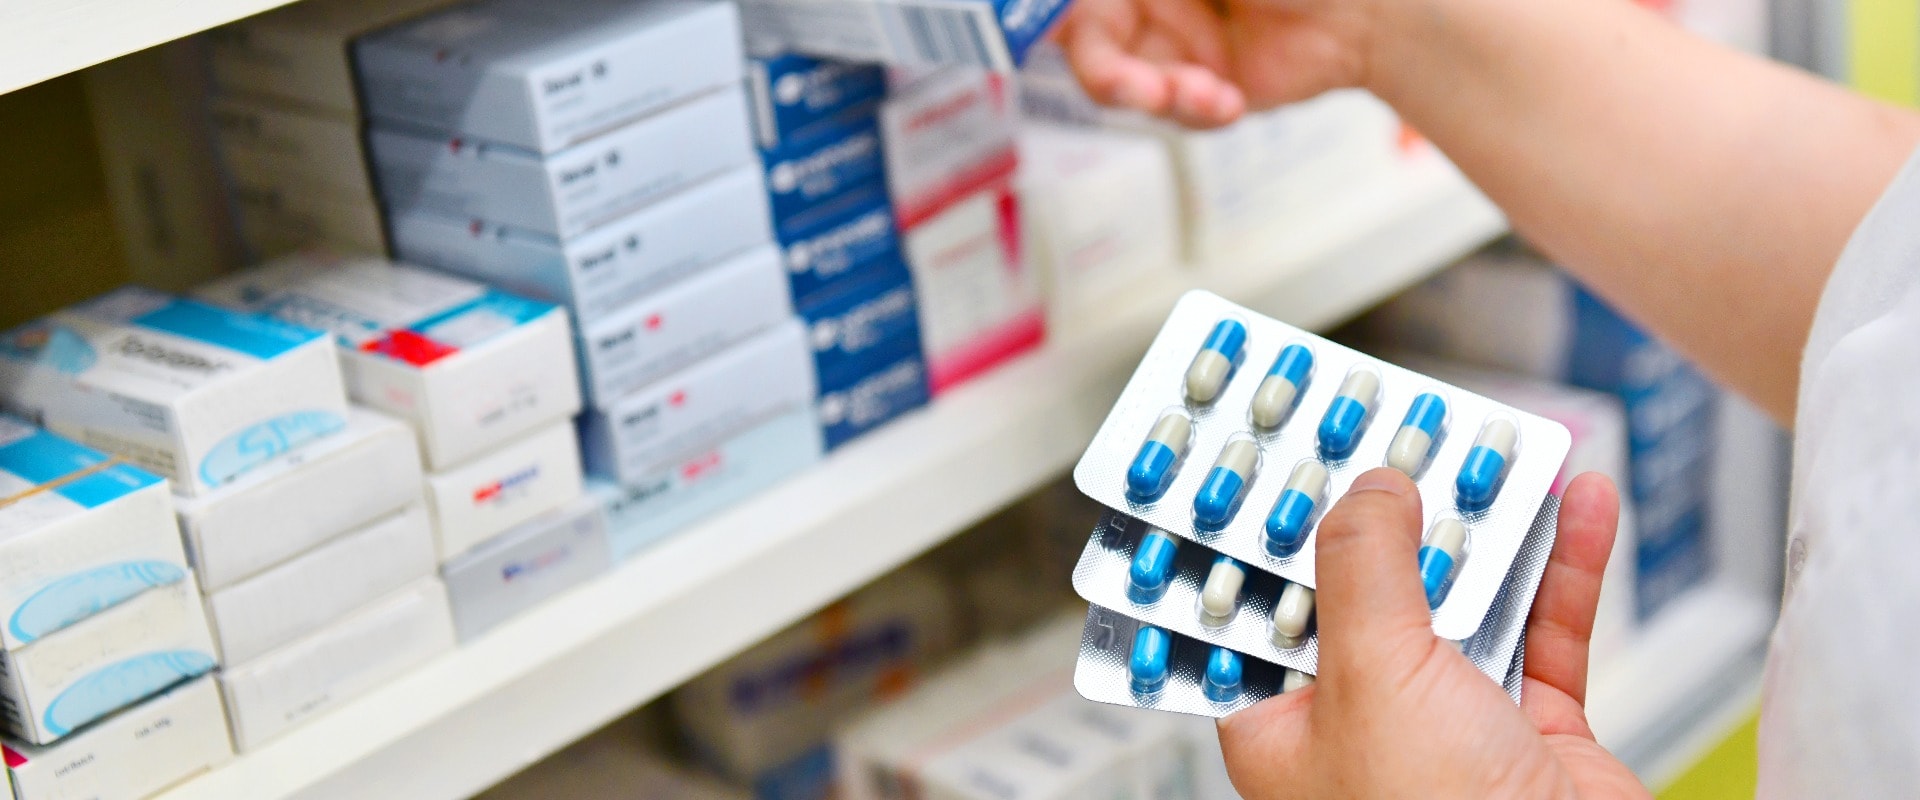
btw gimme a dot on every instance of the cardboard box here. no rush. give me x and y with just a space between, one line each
105 662
542 76
689 411
864 324
482 498
195 393
264 143
571 191
806 175
286 216
299 52
870 399
949 136
988 33
80 531
792 93
1100 213
469 367
338 663
136 753
521 568
979 302
681 324
304 497
321 585
685 493
841 243
599 272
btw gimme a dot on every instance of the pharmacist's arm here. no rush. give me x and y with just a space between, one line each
1704 192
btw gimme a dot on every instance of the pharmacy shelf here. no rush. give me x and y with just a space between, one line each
484 711
41 39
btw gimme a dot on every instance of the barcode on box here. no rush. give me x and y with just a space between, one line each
947 35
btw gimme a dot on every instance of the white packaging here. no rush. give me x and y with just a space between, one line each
303 497
542 76
985 33
264 143
336 664
298 52
704 404
570 191
321 585
284 217
136 753
1100 213
601 271
79 532
979 302
519 569
469 367
192 392
105 662
674 327
479 499
946 137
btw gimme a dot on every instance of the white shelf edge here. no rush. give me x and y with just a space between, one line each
44 39
475 716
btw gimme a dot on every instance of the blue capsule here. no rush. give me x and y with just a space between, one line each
1346 417
1148 668
1283 384
1418 432
1221 683
1440 556
1152 569
1486 465
1292 515
1215 362
1159 458
1220 494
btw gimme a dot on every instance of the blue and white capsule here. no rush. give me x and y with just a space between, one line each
1413 443
1284 382
1220 593
1215 362
1226 485
1441 554
1486 465
1160 455
1292 616
1152 570
1347 416
1222 681
1150 664
1294 680
1293 513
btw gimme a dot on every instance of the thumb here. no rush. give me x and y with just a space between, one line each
1369 599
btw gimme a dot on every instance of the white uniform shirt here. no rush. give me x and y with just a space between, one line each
1841 711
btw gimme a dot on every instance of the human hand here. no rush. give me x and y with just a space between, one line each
1204 62
1397 712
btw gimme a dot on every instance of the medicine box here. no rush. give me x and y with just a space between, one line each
477 500
80 531
872 398
840 242
701 485
989 33
323 584
980 303
299 53
805 174
543 76
469 367
689 411
599 272
570 191
1100 213
516 570
863 324
336 664
264 143
105 662
791 93
195 393
948 136
303 497
277 219
678 325
136 753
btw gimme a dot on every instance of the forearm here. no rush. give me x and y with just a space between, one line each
1704 192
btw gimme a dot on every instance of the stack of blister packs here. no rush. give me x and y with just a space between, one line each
1224 451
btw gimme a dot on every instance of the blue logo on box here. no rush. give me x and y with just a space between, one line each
261 441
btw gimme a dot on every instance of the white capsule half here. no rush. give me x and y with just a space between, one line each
1240 455
1220 595
1292 612
1294 680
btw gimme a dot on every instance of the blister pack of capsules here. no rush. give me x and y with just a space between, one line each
1197 660
1238 431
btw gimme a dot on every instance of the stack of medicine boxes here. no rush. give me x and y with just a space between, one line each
485 379
289 127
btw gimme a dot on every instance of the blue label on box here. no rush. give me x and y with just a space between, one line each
857 403
826 249
1024 22
259 336
799 92
43 457
804 174
864 325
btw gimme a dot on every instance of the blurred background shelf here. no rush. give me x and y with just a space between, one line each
490 708
41 39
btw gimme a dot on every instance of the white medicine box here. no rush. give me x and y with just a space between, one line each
136 753
193 392
470 367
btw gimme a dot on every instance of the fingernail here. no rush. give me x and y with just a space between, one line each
1382 479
